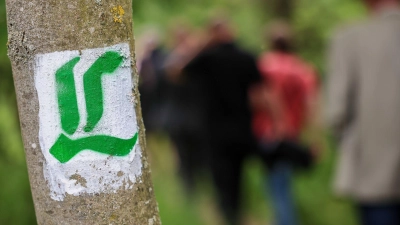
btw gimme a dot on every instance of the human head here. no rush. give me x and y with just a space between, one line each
149 40
220 31
179 32
375 5
279 36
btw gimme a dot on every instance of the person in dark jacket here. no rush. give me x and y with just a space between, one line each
185 109
226 73
152 83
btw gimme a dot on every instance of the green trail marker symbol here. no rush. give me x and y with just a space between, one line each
65 148
87 121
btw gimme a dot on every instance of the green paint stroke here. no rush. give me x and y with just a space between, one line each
66 93
106 64
65 149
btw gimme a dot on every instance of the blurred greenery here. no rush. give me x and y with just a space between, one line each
313 23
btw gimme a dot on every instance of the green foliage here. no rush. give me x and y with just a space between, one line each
15 196
315 22
246 15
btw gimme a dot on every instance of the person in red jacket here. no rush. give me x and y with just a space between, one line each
282 106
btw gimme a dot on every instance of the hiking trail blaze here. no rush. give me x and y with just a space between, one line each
87 120
65 148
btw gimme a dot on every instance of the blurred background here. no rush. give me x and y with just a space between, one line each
155 26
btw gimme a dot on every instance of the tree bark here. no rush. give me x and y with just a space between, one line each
40 27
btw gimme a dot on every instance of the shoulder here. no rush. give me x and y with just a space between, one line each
350 33
267 56
243 53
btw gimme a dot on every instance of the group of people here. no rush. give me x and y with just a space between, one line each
220 105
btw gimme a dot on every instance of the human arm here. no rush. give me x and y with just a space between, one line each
341 84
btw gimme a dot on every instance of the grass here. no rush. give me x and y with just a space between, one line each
312 190
16 206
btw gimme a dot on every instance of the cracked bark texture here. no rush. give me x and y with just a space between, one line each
44 26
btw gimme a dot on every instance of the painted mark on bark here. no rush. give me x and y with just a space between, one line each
88 132
106 64
65 148
67 102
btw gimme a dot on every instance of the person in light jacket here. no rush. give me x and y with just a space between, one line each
364 112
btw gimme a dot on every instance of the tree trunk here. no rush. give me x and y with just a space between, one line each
76 84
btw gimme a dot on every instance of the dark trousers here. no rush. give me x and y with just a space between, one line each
192 153
380 214
226 169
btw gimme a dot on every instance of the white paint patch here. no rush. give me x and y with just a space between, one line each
88 172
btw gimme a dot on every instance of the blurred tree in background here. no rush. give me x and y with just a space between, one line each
313 23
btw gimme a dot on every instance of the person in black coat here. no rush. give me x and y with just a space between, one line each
226 73
185 110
